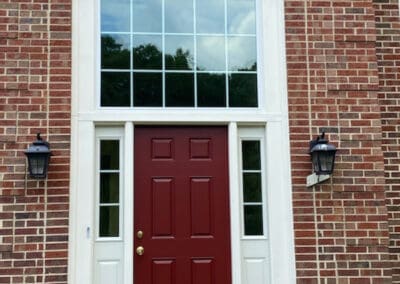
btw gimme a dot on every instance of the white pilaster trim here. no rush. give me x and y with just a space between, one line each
234 202
128 199
279 200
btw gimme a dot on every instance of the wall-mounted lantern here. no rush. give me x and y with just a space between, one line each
323 160
38 155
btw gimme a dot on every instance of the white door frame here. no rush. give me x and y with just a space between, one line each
86 116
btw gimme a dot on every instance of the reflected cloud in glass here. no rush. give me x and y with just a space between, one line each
147 15
115 15
210 16
241 17
178 16
211 53
242 53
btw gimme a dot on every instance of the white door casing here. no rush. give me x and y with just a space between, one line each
89 121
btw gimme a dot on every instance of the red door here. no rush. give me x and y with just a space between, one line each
182 206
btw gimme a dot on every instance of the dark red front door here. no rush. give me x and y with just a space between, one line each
182 206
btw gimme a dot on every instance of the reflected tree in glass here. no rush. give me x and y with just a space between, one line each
115 89
147 56
181 60
211 90
113 53
243 90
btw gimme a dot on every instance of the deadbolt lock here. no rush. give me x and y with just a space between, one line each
139 234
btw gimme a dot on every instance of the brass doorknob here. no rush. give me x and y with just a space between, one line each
140 250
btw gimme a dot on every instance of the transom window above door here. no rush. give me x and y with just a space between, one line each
178 53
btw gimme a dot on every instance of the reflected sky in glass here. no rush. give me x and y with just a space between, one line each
241 17
147 15
211 53
210 16
242 53
115 15
178 16
147 52
179 51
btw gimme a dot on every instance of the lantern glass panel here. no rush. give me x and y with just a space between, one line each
326 163
38 165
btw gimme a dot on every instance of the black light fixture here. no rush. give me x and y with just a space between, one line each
322 155
38 155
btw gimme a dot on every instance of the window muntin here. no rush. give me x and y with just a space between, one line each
109 189
252 184
178 53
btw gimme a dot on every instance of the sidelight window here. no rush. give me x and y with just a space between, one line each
109 189
252 184
178 53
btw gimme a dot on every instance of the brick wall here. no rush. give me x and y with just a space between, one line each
341 226
388 54
35 76
335 84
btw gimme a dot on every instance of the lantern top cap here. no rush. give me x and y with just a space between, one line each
39 146
320 144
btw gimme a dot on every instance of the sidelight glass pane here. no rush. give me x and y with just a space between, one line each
179 52
179 89
252 187
147 89
178 16
253 220
115 15
211 90
251 155
241 16
109 188
115 52
146 16
115 89
210 16
109 221
211 53
242 54
147 52
109 155
243 90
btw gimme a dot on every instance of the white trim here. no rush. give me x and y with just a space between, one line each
234 203
280 205
272 111
128 199
82 204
